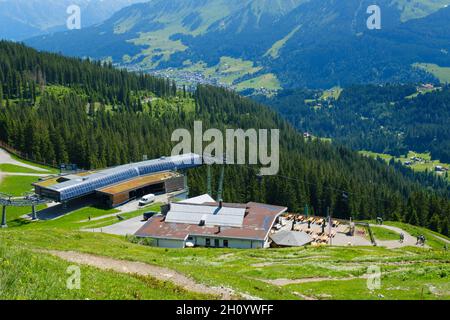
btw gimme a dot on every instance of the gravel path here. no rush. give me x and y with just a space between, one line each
143 269
393 244
5 157
285 282
24 174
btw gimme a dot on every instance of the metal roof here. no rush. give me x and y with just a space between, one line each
87 184
212 215
256 226
199 200
137 183
291 238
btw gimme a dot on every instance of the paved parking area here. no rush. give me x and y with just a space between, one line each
127 227
134 205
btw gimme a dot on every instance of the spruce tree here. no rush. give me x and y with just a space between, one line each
1 95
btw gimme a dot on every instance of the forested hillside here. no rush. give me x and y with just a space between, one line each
57 109
392 119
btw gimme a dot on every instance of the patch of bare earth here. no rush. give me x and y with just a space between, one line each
303 296
285 282
143 269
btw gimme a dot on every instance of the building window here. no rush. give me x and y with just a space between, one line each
207 242
216 243
225 243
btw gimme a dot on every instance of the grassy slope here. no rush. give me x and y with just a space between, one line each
333 93
274 51
442 73
430 236
16 185
29 275
49 169
6 167
267 81
406 272
414 9
420 167
245 270
384 234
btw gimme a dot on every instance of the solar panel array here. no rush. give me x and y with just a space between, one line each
88 184
211 215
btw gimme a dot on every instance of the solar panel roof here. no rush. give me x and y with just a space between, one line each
212 215
87 184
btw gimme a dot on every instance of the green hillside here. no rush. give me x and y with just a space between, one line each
419 8
426 164
303 273
442 73
114 117
29 268
28 275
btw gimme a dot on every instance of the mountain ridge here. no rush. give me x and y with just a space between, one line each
314 43
21 19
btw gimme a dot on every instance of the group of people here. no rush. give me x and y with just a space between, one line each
420 240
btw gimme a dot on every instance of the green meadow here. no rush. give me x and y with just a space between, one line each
27 271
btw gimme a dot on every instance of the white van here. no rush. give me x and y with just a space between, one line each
150 198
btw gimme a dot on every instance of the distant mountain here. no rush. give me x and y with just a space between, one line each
22 19
254 44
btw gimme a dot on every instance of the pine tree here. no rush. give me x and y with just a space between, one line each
1 95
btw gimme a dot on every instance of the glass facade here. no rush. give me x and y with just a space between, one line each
85 185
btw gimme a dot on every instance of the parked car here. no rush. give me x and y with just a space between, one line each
150 198
149 215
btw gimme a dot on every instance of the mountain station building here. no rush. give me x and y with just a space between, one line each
118 185
202 222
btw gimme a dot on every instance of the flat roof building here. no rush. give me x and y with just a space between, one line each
212 224
120 183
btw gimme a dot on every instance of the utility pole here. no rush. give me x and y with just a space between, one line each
220 190
330 225
33 213
209 186
260 178
4 225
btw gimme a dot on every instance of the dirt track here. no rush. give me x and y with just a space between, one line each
143 269
5 157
